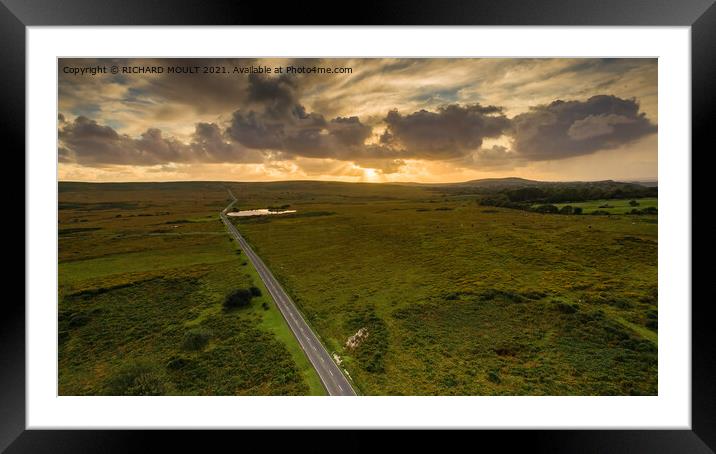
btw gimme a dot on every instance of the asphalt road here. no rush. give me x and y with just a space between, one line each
333 379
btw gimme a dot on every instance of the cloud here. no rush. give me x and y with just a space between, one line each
86 142
596 125
276 120
564 129
210 144
385 166
450 132
251 130
282 129
495 157
349 131
277 95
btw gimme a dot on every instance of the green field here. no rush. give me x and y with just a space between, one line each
142 276
458 298
613 206
455 297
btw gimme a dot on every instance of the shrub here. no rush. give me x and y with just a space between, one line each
255 291
196 339
633 203
494 377
547 209
238 298
78 320
577 210
567 209
564 307
177 363
136 379
265 305
600 212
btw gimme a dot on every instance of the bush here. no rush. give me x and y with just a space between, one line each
600 212
78 320
567 209
577 210
633 203
547 209
255 291
238 298
178 363
196 339
136 379
564 307
494 377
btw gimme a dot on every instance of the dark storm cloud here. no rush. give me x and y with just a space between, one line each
251 130
300 133
86 142
450 132
210 144
276 120
90 143
270 122
277 95
563 129
349 131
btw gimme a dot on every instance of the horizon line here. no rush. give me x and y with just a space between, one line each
623 180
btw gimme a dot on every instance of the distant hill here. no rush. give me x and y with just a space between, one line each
515 182
509 182
648 184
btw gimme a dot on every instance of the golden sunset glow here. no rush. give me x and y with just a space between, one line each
385 120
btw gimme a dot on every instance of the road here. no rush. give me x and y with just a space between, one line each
333 379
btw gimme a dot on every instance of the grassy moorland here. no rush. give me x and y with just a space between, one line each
460 298
143 272
450 296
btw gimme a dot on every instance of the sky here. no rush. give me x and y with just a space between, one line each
368 120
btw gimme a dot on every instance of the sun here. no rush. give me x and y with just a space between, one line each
370 175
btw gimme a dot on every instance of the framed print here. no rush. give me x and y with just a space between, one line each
445 217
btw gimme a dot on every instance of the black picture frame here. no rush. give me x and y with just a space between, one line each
700 15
